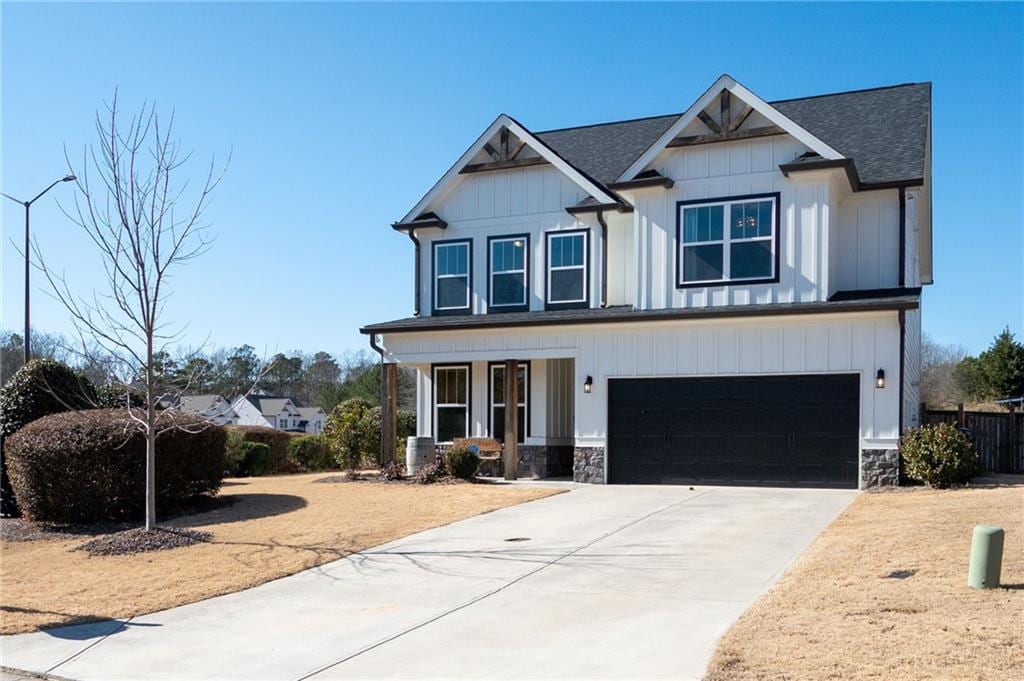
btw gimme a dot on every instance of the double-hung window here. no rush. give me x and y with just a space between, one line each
452 273
451 402
508 267
567 269
498 400
728 240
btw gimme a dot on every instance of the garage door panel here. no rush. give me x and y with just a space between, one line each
778 430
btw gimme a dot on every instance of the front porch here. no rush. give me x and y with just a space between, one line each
532 419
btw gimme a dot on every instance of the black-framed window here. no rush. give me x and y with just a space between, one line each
728 240
451 402
453 273
568 265
508 276
497 406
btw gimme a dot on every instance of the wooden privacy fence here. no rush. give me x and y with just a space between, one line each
998 436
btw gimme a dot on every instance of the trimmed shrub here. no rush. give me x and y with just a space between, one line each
939 455
255 459
277 440
89 466
461 462
352 432
234 452
310 453
40 388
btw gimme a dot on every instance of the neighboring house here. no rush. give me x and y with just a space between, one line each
282 413
727 295
214 408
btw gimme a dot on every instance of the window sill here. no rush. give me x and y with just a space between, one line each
726 283
567 306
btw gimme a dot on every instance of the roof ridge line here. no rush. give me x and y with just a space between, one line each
598 125
850 92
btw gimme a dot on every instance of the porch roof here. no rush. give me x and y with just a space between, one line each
879 300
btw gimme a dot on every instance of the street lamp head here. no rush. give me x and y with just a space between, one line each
69 178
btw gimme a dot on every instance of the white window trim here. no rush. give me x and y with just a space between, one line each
523 271
438 277
495 403
726 241
451 367
586 259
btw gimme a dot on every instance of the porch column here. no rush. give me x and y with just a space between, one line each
388 412
511 448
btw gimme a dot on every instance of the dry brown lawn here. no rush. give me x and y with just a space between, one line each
835 614
278 526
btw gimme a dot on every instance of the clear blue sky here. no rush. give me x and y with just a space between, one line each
341 116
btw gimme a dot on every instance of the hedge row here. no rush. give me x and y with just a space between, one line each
277 440
89 466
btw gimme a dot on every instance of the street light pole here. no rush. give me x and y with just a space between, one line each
28 206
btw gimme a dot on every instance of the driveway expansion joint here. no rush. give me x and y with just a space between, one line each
499 589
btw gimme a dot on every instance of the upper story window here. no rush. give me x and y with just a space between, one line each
728 240
567 269
508 277
452 273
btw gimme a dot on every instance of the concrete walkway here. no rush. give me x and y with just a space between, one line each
601 582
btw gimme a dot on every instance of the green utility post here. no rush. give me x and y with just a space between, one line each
986 557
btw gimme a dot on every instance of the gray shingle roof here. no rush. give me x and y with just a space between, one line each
883 130
605 150
885 300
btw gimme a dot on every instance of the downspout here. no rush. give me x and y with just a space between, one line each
383 396
416 275
604 258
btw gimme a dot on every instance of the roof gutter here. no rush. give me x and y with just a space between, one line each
618 206
671 314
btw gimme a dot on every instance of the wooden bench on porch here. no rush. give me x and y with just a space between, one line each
487 448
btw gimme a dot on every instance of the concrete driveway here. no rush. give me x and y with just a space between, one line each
601 582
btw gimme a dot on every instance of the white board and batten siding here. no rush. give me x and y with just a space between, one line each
849 343
721 171
528 200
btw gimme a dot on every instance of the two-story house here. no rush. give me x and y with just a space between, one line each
727 295
282 413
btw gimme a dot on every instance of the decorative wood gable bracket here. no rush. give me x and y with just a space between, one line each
728 125
504 144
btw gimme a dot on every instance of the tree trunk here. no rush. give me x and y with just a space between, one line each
150 442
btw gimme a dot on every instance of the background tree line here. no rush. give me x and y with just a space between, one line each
317 379
950 375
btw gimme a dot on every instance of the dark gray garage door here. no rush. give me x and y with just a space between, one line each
767 430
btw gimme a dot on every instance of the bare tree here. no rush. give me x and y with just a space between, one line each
939 386
144 222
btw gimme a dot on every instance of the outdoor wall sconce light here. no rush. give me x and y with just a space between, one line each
588 385
880 379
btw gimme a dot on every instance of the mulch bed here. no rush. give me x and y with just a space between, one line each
140 540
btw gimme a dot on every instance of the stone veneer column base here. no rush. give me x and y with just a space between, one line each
588 465
879 468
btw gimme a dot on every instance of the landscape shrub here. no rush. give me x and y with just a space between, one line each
939 455
234 452
255 459
89 466
352 432
277 440
40 388
461 462
310 453
431 473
